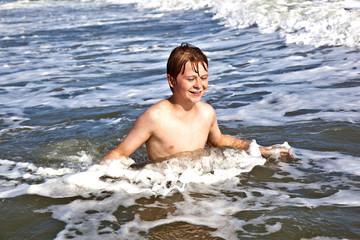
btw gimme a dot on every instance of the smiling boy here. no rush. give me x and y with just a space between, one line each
182 123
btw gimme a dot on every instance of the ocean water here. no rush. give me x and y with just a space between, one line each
75 75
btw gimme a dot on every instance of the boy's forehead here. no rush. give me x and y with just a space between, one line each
197 68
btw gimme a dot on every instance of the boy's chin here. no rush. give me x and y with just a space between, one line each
195 99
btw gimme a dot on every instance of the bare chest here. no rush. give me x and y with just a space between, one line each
176 136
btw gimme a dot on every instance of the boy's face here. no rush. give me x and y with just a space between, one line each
189 85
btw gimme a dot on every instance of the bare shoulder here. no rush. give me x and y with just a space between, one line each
206 109
156 111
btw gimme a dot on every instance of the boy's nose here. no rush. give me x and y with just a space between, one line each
197 82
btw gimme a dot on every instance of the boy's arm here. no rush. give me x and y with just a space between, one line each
266 152
138 135
217 139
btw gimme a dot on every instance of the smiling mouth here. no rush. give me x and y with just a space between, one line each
195 92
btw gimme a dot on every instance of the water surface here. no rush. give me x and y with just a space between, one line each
75 75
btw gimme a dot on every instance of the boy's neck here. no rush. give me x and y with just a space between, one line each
186 107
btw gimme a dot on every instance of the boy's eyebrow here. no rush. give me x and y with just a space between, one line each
196 74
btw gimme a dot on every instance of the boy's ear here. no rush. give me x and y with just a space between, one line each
171 81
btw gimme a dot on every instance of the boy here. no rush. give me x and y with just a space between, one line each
182 123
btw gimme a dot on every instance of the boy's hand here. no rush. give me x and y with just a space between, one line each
278 152
285 154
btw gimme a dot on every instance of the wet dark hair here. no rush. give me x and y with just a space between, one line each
182 54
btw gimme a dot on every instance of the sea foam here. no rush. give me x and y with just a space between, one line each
211 166
318 23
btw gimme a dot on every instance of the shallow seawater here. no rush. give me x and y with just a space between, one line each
75 75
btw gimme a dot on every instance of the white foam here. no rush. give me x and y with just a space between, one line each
83 157
159 179
316 23
125 185
322 238
304 175
16 172
76 216
203 184
331 161
342 198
